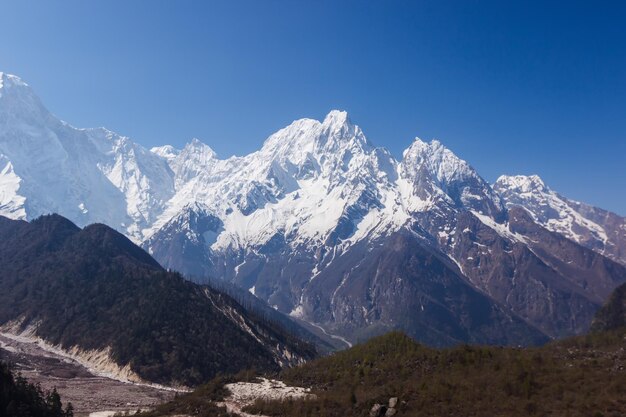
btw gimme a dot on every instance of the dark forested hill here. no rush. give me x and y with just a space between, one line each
94 290
583 376
393 375
612 315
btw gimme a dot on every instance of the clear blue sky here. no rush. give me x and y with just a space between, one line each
511 87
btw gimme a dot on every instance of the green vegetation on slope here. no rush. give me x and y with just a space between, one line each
583 376
93 288
18 398
580 376
199 403
202 401
613 314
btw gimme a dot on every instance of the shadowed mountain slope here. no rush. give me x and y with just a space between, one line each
97 296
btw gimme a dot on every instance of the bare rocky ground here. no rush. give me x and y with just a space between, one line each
246 393
88 393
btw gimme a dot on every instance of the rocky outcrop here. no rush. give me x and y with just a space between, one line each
385 410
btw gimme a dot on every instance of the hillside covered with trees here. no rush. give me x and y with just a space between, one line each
94 289
18 398
613 314
578 377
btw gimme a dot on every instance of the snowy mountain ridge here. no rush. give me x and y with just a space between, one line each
90 175
301 181
589 226
309 218
304 177
310 174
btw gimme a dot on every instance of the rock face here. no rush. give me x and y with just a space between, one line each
377 410
323 225
550 281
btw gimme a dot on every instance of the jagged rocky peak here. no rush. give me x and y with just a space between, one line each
339 132
193 212
337 118
306 137
334 149
198 152
16 96
199 147
195 159
435 171
440 162
337 122
531 192
195 150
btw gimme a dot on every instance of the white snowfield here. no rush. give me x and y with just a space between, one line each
246 393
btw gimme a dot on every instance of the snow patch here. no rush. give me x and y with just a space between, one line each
12 204
501 228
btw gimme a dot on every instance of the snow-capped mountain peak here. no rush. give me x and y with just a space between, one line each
8 81
531 192
18 101
437 171
307 138
200 150
440 161
167 152
337 118
89 175
522 183
15 93
597 229
196 143
339 129
304 179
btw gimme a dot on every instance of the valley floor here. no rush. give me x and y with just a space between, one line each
87 392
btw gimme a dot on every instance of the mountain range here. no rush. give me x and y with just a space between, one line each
328 228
